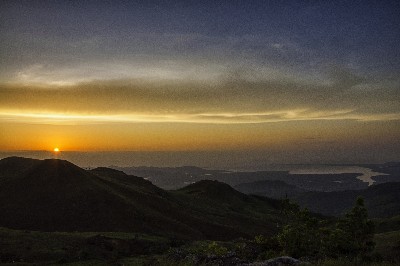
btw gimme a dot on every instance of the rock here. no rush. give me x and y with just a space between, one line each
280 261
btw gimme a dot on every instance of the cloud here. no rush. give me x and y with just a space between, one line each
72 74
345 79
200 118
240 97
174 90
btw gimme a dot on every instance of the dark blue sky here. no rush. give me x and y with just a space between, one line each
363 34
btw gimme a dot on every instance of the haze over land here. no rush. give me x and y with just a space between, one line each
294 82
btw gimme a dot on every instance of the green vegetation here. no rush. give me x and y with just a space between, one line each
344 262
74 248
381 200
387 224
306 236
301 236
388 245
206 223
353 235
62 247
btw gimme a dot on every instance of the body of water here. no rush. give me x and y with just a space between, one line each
366 173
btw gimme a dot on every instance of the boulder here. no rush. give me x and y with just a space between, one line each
279 261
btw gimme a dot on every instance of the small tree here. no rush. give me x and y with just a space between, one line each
300 237
353 235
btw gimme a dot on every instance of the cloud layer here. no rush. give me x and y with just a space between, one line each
232 98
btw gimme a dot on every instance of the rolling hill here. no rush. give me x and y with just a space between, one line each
178 177
381 200
276 189
218 202
56 195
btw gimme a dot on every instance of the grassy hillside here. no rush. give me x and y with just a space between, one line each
381 200
55 195
276 189
387 224
388 245
216 201
18 246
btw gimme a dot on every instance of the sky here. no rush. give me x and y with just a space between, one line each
293 81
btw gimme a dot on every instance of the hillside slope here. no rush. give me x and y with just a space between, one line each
381 200
218 202
276 189
56 195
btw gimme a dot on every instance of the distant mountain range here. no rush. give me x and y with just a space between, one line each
178 177
382 200
56 195
276 189
328 194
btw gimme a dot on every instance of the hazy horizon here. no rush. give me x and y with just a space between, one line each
224 160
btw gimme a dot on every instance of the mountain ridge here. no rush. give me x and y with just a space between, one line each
381 200
56 195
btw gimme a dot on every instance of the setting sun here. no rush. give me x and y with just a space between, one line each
56 150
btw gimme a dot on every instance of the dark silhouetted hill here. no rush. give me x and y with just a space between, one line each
178 177
14 167
56 195
217 201
381 200
276 189
215 190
